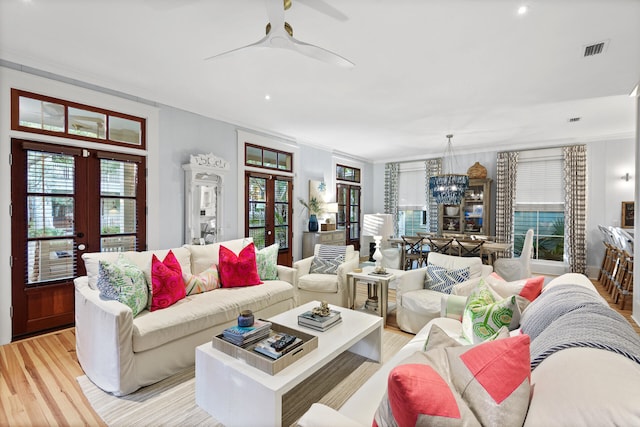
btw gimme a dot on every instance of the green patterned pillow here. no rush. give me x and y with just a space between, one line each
267 260
484 315
125 282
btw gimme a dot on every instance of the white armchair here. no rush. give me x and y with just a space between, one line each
331 287
511 269
416 305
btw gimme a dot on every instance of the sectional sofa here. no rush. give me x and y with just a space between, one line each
580 376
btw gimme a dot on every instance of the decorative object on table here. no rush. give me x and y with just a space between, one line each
477 171
278 345
246 318
243 335
320 318
314 208
329 222
451 210
380 228
448 187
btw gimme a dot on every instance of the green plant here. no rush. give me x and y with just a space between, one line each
313 206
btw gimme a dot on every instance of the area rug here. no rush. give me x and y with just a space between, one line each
171 402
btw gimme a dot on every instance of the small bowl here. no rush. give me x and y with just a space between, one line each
451 210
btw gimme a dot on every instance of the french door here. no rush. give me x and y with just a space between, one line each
348 197
66 201
268 212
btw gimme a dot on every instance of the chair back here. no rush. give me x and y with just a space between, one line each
413 251
440 245
469 247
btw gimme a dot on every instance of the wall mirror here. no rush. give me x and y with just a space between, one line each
204 179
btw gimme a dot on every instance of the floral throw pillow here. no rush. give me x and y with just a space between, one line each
485 313
267 261
238 270
167 285
123 281
203 282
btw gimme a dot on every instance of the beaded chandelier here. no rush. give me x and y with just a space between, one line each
448 188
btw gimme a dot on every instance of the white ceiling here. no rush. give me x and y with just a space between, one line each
423 69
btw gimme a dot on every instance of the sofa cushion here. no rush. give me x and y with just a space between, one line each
442 279
470 385
238 270
485 313
141 259
167 285
196 313
319 283
124 282
423 301
267 261
206 281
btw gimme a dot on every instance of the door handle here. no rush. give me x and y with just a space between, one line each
81 247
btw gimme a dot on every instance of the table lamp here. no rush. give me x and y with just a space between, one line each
380 227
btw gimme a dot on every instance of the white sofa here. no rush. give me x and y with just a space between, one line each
120 353
576 386
416 306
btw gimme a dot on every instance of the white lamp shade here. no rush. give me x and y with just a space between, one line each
378 225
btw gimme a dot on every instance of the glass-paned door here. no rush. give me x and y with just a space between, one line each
348 197
61 199
268 212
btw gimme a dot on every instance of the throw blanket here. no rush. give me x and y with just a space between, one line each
567 316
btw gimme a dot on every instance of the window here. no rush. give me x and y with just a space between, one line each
51 116
347 173
540 203
268 158
412 204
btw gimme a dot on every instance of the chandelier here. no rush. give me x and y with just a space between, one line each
448 188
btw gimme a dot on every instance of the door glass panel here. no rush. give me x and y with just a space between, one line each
257 210
87 123
50 213
125 130
270 159
118 206
281 213
38 114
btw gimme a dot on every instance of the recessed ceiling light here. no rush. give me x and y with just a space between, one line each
523 9
267 97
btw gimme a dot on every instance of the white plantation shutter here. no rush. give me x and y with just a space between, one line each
539 180
411 187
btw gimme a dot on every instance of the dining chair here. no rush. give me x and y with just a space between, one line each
440 245
413 251
469 247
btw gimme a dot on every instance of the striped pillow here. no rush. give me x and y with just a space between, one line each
331 252
203 282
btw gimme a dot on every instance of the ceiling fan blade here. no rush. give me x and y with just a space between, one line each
323 7
275 13
319 53
263 42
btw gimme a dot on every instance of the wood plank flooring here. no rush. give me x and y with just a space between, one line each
38 384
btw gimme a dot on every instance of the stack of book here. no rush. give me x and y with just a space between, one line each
278 345
243 335
317 322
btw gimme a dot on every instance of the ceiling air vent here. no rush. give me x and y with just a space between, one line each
594 49
574 119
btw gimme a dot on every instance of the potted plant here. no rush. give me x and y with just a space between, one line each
314 208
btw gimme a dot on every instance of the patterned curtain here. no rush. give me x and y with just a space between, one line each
575 207
391 174
432 167
506 170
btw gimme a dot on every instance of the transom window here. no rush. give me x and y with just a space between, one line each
268 158
36 113
347 173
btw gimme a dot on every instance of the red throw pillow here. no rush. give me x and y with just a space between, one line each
238 270
167 286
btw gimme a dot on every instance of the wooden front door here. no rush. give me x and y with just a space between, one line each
348 197
66 201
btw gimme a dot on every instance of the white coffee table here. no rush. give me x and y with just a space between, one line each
237 394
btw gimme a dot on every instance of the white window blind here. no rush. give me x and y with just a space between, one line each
539 179
411 186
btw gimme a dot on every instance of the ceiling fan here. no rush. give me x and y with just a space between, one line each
280 35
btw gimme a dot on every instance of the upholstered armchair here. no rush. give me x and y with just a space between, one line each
323 276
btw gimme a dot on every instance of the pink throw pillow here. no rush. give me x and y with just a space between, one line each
527 288
238 270
167 286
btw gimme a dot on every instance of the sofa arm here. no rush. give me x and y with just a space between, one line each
344 268
452 306
104 340
288 274
320 415
410 280
303 266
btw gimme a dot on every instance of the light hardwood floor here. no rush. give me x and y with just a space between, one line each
38 384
